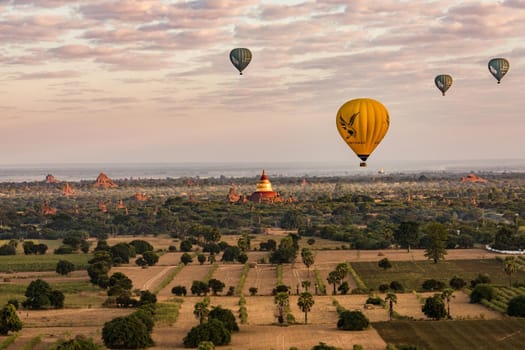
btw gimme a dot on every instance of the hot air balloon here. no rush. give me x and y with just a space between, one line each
240 58
443 82
498 67
362 123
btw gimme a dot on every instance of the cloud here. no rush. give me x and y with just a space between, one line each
47 75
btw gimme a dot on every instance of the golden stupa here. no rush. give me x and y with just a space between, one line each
264 192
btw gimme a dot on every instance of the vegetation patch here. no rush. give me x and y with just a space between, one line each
505 334
8 341
242 279
167 312
168 278
32 343
46 262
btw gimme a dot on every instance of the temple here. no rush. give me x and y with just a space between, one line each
104 181
264 192
67 190
50 179
473 178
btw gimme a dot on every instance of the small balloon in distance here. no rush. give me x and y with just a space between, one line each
240 58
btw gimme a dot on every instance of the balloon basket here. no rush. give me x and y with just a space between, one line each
362 164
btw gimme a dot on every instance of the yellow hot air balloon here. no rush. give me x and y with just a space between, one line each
362 123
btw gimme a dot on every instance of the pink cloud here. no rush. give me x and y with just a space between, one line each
48 75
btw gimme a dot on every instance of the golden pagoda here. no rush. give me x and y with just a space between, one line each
264 192
67 190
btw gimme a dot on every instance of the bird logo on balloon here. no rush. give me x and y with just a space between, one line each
349 127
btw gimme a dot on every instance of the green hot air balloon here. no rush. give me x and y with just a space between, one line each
240 58
498 67
443 82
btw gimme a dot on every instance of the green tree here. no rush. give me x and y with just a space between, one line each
37 294
308 258
9 321
226 316
434 307
126 333
510 266
213 331
199 287
201 258
141 246
186 258
282 302
306 284
516 306
305 303
384 263
78 343
482 291
216 285
447 295
436 241
406 234
244 242
64 267
352 321
324 346
150 257
334 278
391 298
206 345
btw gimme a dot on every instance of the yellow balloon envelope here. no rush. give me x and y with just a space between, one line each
362 123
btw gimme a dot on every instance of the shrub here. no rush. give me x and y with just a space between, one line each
516 306
323 346
343 288
383 287
141 246
352 321
482 291
432 285
213 330
457 283
79 342
384 264
185 246
9 321
253 291
482 278
375 301
64 267
206 345
434 307
396 286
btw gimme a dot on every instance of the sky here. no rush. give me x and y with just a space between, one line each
122 81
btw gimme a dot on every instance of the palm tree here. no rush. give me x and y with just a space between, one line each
334 278
510 265
343 269
306 284
308 258
305 303
392 299
201 310
282 302
447 294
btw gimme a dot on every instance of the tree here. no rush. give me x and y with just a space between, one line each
308 258
199 287
384 263
226 316
482 291
216 285
201 258
186 258
9 321
141 246
305 303
185 246
306 284
457 283
510 266
352 321
516 306
151 257
126 333
206 345
436 241
447 295
201 311
213 331
179 290
282 302
434 307
253 291
391 298
37 294
64 267
406 234
334 278
244 242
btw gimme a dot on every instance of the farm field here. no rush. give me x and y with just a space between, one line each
505 334
414 273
